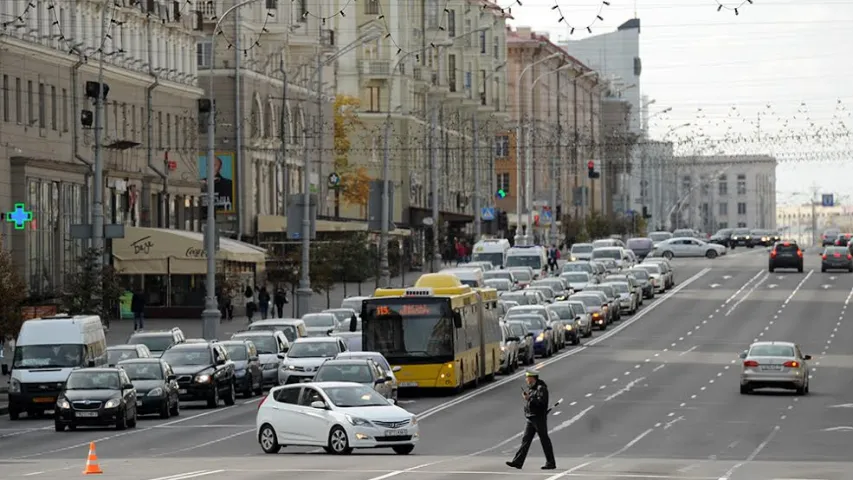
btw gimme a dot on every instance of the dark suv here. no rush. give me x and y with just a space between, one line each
722 237
157 341
786 255
204 372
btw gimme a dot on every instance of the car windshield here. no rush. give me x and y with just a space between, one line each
48 356
179 357
82 380
660 236
115 356
263 343
313 350
771 351
498 275
319 320
289 331
516 329
602 243
533 261
741 231
237 352
355 396
651 268
532 322
143 371
563 311
578 308
522 275
583 248
344 373
620 287
589 301
519 297
640 274
341 315
639 243
577 267
576 277
353 303
155 343
499 284
611 253
514 311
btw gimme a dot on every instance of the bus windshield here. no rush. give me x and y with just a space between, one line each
408 330
533 261
495 258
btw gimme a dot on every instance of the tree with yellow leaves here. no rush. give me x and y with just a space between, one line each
355 181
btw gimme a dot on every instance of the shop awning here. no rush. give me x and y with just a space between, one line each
158 251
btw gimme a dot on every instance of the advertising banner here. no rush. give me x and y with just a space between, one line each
225 184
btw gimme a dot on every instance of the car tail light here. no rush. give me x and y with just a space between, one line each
773 254
263 399
823 237
836 255
786 244
824 256
849 257
791 364
750 363
799 253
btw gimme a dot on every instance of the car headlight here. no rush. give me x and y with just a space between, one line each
202 379
288 367
541 337
270 366
63 404
414 420
157 392
568 327
357 421
503 348
112 403
14 386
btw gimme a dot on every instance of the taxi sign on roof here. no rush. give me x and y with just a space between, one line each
419 292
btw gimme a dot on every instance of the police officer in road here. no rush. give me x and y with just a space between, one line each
536 412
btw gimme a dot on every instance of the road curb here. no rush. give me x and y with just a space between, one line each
4 410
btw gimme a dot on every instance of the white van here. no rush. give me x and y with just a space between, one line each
492 251
46 351
473 277
534 257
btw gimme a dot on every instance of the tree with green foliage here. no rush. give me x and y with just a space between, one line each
324 258
13 292
92 289
354 255
598 226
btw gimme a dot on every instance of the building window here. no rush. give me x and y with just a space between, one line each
54 108
160 129
741 184
502 146
741 208
64 110
723 185
42 106
371 7
483 42
73 202
31 104
19 107
496 51
741 224
451 23
42 242
373 100
686 183
5 98
503 182
303 11
724 208
204 54
723 225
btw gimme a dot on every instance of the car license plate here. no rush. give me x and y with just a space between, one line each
182 391
44 400
408 384
139 403
396 433
86 414
771 367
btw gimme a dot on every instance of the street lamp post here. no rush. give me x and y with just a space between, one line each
210 315
519 237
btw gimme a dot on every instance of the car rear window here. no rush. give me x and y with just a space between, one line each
771 351
639 243
834 250
787 247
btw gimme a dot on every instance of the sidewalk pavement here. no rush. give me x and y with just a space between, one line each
4 381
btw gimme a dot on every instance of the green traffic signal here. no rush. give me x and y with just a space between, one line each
501 193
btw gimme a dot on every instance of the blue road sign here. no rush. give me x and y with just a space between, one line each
487 213
827 200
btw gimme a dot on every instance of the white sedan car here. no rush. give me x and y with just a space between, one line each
338 416
687 247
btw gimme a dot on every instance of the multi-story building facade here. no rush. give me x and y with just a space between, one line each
49 54
262 46
558 112
618 142
806 222
659 193
725 192
437 75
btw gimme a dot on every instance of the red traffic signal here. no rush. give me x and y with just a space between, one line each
590 165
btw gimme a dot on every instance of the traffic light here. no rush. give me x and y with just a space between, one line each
590 166
501 193
646 213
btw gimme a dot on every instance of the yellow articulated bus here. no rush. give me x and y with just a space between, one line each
441 333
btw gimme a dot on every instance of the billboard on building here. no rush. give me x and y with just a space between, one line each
225 183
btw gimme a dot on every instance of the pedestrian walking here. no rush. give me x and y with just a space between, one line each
263 302
536 414
137 307
280 299
251 306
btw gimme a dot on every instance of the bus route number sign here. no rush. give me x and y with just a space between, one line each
407 310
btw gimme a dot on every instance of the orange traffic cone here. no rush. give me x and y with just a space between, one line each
92 467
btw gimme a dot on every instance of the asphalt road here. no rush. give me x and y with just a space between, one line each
654 398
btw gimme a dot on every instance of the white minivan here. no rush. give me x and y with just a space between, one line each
46 351
534 257
491 250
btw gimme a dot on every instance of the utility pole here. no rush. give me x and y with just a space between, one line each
554 159
528 178
814 215
283 122
304 291
433 170
579 183
478 228
98 181
384 268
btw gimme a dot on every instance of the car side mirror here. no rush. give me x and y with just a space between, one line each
330 331
127 386
253 358
548 328
807 357
281 356
578 318
529 335
220 361
742 355
318 405
353 324
90 363
171 378
396 369
513 339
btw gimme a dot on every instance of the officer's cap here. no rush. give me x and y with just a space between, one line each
532 373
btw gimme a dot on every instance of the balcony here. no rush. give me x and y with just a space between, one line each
375 69
209 10
438 86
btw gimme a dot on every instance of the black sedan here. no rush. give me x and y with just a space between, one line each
247 366
204 373
96 397
156 386
836 258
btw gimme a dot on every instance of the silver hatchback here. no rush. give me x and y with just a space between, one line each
774 365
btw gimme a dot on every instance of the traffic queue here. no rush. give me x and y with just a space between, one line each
347 366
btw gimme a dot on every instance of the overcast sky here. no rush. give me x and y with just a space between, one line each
788 63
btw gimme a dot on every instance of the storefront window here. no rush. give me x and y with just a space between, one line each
43 241
187 290
156 289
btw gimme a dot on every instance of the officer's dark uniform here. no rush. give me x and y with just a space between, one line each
536 412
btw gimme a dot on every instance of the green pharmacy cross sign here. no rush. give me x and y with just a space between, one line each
20 216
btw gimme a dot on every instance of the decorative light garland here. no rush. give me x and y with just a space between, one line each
564 19
721 6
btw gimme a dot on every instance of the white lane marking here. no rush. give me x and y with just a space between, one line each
694 347
752 455
627 388
608 457
126 433
16 431
747 294
609 333
182 476
32 474
408 470
742 288
216 425
658 367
